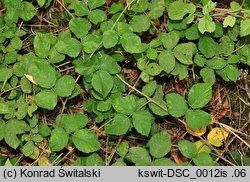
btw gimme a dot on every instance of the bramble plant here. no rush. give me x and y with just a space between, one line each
91 81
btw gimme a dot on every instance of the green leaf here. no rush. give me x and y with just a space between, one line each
69 46
142 121
207 46
226 46
73 122
156 9
159 144
58 140
139 23
25 85
46 99
40 70
104 106
102 82
192 33
5 73
187 148
152 54
176 104
81 8
232 72
42 43
206 24
139 156
41 2
244 27
12 129
149 88
115 8
184 52
178 9
153 69
97 16
169 40
124 105
167 60
122 149
131 43
65 86
94 160
80 27
110 39
203 159
26 11
28 148
208 75
197 119
85 141
229 21
109 64
209 7
95 3
44 130
199 95
119 126
55 56
163 162
2 129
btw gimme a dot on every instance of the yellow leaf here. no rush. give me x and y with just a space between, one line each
44 161
35 154
216 136
199 131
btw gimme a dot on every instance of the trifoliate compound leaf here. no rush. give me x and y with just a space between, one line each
119 125
58 140
102 82
42 43
139 23
153 69
203 159
124 105
187 148
178 9
197 119
163 162
156 9
206 24
142 121
169 40
184 52
110 39
159 144
26 11
73 122
207 46
79 27
139 156
131 43
5 73
28 148
197 132
244 27
42 73
208 75
216 136
97 16
65 86
69 46
2 129
12 129
95 3
199 95
176 104
46 99
86 141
